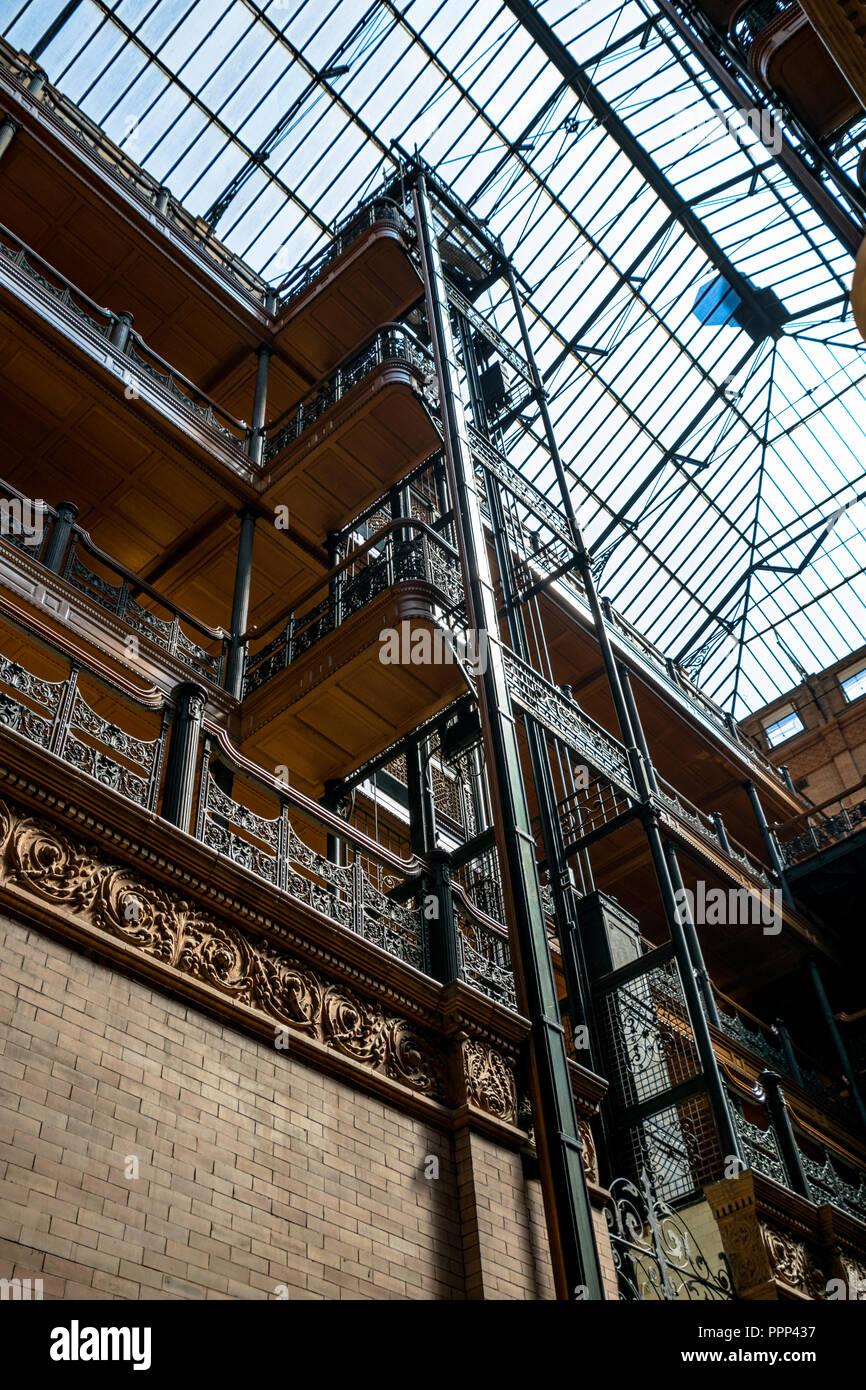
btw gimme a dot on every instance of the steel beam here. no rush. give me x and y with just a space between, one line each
574 1255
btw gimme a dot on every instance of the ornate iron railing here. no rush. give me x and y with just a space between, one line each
655 1254
821 831
828 1185
56 716
483 957
546 704
390 557
271 848
117 598
393 343
686 811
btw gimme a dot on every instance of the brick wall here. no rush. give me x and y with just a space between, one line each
503 1223
255 1170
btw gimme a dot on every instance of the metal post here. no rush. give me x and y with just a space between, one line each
190 701
332 801
836 1036
786 778
769 841
8 130
636 724
120 330
439 920
780 1119
240 603
569 1212
718 1095
58 537
696 954
721 832
788 1052
260 406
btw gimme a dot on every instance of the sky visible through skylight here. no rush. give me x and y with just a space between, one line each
704 467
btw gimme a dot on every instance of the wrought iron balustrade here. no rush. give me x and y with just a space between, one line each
55 716
391 557
589 808
117 598
547 704
271 848
686 811
828 1185
821 831
38 273
393 343
483 957
114 591
656 1255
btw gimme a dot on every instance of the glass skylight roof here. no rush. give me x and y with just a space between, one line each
720 480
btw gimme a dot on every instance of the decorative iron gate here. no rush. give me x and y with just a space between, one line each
655 1254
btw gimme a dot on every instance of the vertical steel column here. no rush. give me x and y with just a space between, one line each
441 927
559 873
260 405
692 938
770 841
788 1051
836 1037
240 603
693 943
569 1213
58 539
180 768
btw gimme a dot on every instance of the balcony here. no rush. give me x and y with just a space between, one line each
318 697
198 305
73 725
79 199
787 57
365 277
61 575
358 434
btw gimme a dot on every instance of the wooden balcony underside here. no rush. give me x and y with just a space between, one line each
365 444
372 282
61 199
338 704
788 57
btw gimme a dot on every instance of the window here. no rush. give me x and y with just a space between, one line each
786 724
853 683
